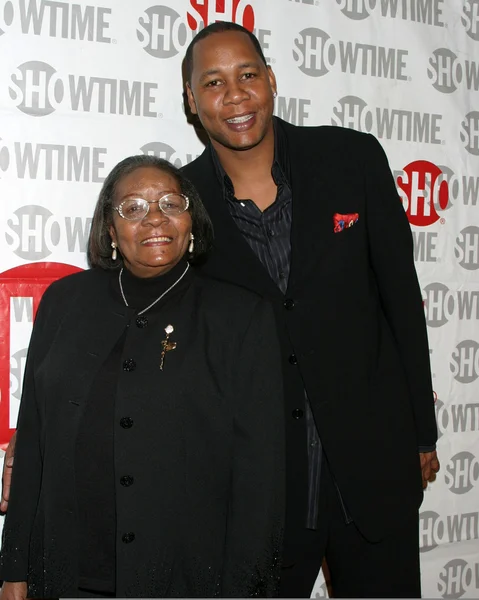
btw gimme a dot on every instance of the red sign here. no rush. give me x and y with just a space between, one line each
424 191
24 282
210 11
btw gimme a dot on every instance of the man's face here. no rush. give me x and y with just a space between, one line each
231 90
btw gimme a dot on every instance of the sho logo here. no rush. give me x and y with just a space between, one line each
463 188
470 132
38 90
448 73
204 12
56 19
467 248
316 54
33 233
462 473
428 12
22 288
458 577
168 153
162 33
388 123
434 530
465 361
293 110
53 162
424 192
456 418
440 304
356 9
470 18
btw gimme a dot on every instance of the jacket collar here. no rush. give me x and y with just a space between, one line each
233 259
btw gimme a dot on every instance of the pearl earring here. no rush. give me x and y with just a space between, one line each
275 94
114 254
191 247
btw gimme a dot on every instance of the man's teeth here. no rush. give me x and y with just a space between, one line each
157 239
240 119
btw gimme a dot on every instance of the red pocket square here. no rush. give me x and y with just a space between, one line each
343 221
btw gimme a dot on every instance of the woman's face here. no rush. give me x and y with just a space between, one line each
155 244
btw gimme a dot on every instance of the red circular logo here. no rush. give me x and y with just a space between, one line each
210 11
21 289
424 191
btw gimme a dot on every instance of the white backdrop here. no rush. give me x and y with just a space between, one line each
84 84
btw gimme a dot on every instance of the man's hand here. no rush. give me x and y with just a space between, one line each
14 590
429 467
7 474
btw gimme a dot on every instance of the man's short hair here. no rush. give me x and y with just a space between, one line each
218 27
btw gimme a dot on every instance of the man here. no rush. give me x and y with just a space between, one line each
310 219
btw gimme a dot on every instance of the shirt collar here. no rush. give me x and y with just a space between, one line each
280 169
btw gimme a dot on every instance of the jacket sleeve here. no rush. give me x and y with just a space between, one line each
27 468
391 255
255 517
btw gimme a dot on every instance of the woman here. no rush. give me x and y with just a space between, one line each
149 458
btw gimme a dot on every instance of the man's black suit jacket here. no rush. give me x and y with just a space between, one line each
351 324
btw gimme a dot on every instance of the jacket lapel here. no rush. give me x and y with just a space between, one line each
232 258
312 228
313 185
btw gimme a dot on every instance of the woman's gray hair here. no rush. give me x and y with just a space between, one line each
99 241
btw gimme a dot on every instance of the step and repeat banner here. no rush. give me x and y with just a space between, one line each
84 84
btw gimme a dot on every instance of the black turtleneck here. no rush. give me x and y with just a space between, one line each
141 291
94 464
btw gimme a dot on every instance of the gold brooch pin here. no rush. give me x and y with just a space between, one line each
167 345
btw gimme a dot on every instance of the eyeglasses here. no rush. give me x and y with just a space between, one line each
135 209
